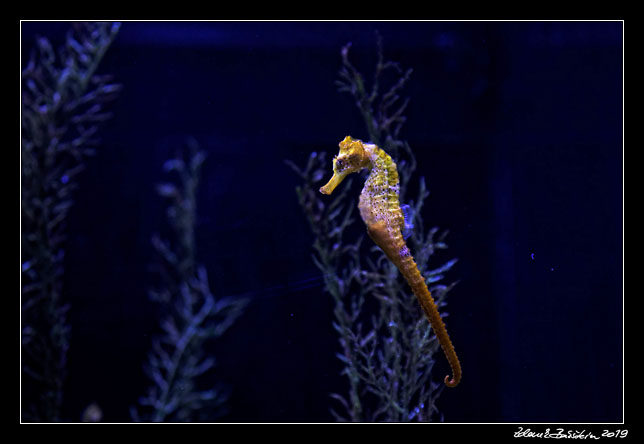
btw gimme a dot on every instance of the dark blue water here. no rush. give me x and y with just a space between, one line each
517 127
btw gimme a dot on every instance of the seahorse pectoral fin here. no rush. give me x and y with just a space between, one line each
408 216
333 182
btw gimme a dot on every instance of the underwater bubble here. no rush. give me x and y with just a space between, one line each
65 178
92 413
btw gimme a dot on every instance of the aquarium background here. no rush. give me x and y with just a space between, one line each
517 129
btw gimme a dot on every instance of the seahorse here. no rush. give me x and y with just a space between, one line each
380 210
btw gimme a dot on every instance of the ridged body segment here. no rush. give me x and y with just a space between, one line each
379 197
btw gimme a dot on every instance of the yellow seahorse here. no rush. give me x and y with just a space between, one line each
380 210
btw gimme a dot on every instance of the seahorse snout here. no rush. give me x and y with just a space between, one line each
333 182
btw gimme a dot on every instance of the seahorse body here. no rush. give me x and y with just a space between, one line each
380 210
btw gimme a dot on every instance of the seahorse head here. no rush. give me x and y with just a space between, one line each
352 158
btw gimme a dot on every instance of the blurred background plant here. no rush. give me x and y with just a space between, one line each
190 314
63 104
387 350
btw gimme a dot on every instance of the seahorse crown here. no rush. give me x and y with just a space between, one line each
352 158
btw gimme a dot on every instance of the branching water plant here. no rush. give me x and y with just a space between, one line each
387 352
63 104
191 314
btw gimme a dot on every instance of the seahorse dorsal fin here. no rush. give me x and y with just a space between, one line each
408 214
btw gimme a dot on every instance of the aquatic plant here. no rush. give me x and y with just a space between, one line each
63 104
387 351
191 315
